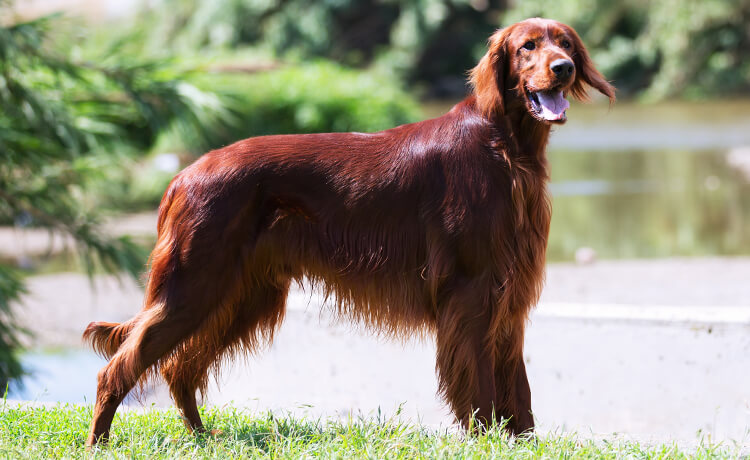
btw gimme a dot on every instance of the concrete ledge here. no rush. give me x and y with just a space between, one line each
657 313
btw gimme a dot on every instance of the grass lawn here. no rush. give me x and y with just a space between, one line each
44 432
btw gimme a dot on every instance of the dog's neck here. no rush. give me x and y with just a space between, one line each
529 135
518 134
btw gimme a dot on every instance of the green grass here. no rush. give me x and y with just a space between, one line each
43 432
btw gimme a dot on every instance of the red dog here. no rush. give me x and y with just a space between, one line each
439 225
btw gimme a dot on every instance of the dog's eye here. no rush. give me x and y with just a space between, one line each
565 44
529 45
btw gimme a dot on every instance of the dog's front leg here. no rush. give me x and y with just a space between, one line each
512 391
519 405
464 359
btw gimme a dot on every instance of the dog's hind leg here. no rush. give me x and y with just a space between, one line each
243 328
157 333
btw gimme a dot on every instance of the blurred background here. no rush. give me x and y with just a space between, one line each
644 326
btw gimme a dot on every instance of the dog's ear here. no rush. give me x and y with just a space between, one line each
586 73
487 78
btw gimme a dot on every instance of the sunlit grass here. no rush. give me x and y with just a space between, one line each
61 432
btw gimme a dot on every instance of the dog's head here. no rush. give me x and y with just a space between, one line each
533 65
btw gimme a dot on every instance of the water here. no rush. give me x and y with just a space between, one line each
61 376
67 376
648 203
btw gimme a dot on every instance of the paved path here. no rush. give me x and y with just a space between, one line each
649 379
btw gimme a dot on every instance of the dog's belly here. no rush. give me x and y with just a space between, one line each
375 275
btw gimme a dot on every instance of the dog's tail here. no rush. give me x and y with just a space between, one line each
106 338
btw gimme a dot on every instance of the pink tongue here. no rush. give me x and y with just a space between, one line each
553 105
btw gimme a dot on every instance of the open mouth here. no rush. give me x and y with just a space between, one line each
548 105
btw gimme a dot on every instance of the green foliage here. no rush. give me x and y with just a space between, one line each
11 287
59 120
673 48
422 40
317 97
61 431
135 183
660 49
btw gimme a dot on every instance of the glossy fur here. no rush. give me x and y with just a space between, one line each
433 227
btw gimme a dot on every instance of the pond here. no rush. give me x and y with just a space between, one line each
59 376
663 180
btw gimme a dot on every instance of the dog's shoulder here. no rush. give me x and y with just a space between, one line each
460 132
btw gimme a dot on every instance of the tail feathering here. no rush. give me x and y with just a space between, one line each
106 338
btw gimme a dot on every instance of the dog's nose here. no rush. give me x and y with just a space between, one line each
562 68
